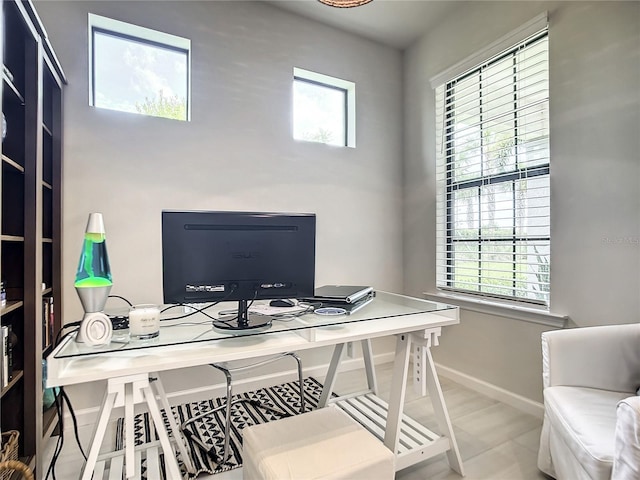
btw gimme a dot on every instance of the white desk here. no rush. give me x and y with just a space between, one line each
129 367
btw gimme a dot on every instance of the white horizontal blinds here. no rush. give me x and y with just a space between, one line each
493 210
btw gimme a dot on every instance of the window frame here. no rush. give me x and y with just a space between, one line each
445 280
143 35
334 83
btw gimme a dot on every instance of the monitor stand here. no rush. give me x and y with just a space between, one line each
244 320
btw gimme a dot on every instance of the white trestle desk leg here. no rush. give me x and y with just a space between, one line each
127 392
330 379
396 396
173 471
156 385
441 414
367 355
129 438
98 434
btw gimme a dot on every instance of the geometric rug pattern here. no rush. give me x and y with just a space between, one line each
210 429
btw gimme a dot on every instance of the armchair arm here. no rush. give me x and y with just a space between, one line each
605 357
626 456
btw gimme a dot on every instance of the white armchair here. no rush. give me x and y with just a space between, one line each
591 426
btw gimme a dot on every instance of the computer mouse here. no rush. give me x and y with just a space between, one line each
282 302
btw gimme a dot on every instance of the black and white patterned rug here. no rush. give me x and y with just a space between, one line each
283 397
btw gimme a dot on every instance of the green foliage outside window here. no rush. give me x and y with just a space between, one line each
165 107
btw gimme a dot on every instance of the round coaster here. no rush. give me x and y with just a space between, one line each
330 311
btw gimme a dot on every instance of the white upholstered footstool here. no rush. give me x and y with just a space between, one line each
322 444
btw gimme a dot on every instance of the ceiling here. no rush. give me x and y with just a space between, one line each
397 23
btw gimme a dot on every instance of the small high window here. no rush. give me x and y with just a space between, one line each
323 109
138 70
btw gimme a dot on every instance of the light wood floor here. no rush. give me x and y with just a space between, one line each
496 441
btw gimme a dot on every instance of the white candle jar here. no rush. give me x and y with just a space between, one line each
144 322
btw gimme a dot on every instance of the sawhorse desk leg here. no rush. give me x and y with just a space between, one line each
424 340
332 373
388 421
127 392
177 434
442 414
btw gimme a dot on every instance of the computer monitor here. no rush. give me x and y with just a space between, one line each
212 256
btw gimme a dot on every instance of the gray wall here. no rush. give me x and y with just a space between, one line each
237 153
595 177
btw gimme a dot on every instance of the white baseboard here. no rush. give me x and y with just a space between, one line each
492 391
88 416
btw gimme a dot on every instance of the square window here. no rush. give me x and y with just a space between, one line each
323 109
138 70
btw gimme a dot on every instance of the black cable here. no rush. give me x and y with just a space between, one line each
58 335
286 317
60 442
173 305
121 298
196 310
74 420
226 321
58 396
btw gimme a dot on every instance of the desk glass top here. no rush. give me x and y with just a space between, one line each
176 327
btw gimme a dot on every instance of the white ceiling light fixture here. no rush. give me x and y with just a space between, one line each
344 3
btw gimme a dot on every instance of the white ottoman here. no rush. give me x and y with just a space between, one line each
322 444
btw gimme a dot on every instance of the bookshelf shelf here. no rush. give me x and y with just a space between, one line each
17 376
12 238
11 306
12 88
15 165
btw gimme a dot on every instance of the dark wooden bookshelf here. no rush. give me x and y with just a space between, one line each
30 218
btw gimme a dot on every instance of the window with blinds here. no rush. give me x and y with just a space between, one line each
493 207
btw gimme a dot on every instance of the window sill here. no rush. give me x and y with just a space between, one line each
491 307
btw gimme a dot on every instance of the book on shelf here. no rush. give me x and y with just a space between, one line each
47 321
2 384
7 355
10 344
50 319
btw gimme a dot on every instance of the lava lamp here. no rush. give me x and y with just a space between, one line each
93 284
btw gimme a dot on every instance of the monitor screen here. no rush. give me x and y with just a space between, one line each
210 256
